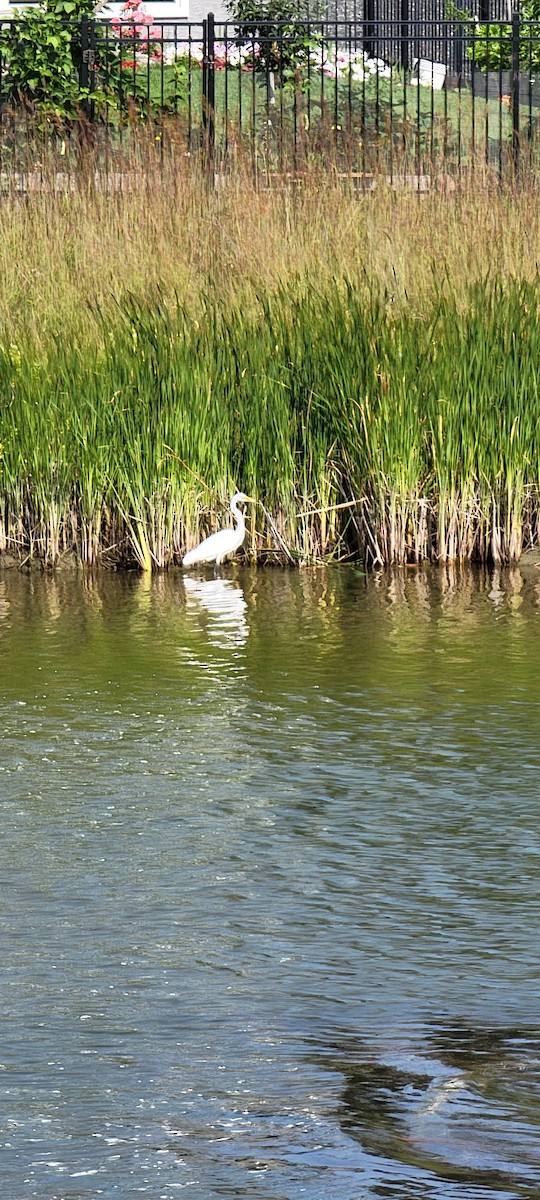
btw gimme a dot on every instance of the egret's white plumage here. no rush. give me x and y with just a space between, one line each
219 545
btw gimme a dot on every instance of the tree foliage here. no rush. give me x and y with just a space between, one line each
41 49
279 31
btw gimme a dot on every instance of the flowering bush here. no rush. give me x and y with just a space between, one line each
355 63
226 54
134 29
335 64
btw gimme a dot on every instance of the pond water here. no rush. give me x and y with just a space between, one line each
270 899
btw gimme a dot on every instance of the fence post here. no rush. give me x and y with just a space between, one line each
209 87
458 38
369 27
404 34
516 30
87 61
85 44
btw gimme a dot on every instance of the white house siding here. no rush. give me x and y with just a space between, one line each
198 9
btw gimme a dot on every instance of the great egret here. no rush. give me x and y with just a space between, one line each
216 547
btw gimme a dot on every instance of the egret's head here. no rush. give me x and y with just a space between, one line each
241 498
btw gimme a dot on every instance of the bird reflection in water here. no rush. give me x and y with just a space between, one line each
458 1106
224 603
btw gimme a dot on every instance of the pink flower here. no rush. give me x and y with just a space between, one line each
135 24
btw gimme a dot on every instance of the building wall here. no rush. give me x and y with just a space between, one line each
198 9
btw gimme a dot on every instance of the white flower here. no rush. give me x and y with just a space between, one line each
377 66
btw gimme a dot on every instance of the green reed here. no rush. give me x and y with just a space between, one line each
365 430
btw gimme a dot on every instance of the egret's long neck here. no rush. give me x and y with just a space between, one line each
240 523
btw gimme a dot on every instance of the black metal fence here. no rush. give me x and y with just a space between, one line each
408 97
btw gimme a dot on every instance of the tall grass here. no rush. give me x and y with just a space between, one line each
365 365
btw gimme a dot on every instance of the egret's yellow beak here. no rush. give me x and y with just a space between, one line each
251 500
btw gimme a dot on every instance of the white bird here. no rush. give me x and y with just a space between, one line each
216 547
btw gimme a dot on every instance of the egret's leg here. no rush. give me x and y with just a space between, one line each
217 569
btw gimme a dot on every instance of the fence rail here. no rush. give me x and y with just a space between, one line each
403 96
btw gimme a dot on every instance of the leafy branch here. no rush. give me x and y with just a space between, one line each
279 33
490 45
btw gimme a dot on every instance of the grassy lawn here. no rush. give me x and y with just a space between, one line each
357 122
362 125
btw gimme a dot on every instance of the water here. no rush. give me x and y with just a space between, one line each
270 869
